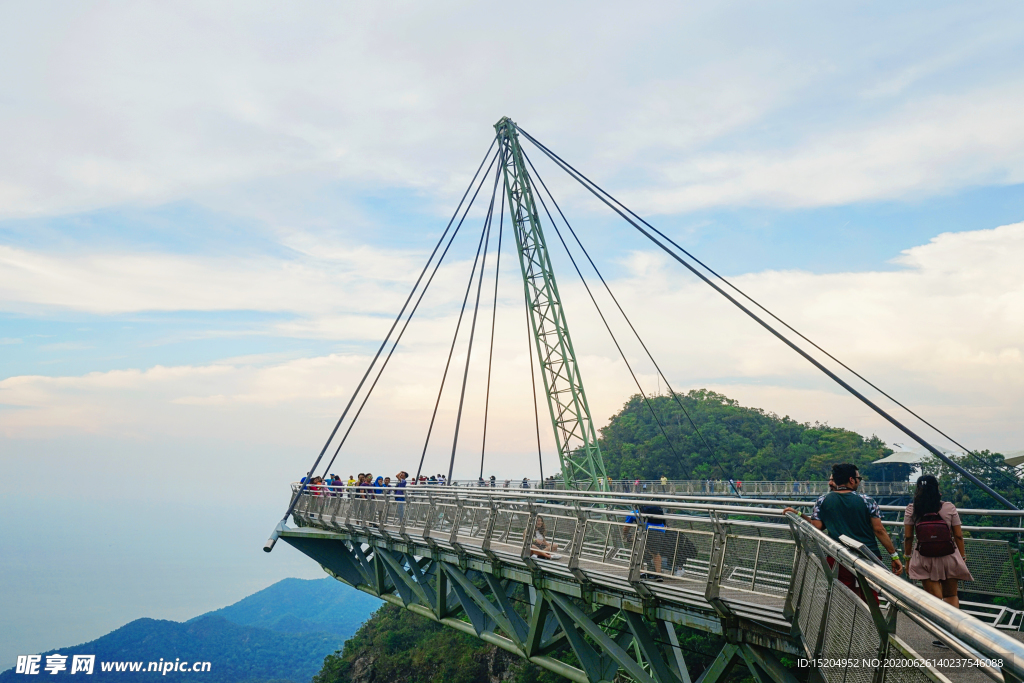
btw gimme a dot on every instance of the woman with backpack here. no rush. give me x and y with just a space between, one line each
937 560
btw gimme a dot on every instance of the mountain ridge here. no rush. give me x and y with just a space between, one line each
280 634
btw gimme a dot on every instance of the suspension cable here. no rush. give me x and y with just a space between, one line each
598 192
472 327
451 351
743 294
494 315
405 325
533 393
1009 478
636 334
608 327
309 475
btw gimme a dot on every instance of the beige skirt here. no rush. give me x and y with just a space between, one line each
939 568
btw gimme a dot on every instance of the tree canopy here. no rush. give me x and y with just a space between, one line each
745 443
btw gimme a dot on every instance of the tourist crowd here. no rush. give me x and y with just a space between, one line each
366 486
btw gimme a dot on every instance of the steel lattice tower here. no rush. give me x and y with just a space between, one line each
578 451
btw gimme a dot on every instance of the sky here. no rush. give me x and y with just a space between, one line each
210 213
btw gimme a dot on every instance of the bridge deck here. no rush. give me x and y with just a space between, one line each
722 568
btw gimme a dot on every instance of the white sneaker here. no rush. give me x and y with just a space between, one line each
556 556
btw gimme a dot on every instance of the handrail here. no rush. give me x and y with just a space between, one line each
723 485
985 639
609 497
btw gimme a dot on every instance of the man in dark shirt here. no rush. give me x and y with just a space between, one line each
843 511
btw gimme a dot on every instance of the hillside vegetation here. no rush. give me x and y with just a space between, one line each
745 443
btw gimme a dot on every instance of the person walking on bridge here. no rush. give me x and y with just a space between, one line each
846 512
938 559
400 492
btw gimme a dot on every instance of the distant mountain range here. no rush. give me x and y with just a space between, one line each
279 635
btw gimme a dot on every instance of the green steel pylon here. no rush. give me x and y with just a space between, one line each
578 452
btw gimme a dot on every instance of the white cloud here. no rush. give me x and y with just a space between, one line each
930 145
356 279
152 103
943 331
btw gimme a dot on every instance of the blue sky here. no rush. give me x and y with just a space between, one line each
209 213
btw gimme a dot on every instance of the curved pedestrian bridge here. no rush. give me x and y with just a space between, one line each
606 597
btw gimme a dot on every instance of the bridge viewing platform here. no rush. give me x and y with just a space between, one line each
612 591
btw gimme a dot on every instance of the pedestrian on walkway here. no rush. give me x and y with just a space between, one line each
938 560
844 512
400 492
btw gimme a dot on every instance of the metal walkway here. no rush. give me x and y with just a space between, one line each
607 600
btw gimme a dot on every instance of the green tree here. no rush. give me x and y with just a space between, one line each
990 468
746 443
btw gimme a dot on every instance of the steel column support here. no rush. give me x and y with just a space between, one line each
667 633
722 666
511 622
541 638
407 588
650 649
332 555
427 595
614 655
441 593
764 666
482 621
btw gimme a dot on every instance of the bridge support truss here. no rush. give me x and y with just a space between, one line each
520 615
606 602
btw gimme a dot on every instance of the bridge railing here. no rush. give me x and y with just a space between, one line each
991 559
856 623
713 552
702 486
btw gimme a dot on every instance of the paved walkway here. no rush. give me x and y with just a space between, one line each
919 639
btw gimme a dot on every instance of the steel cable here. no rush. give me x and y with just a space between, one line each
672 392
494 316
309 475
586 183
405 325
472 327
455 337
756 303
607 326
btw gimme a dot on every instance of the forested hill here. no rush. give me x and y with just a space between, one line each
747 443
